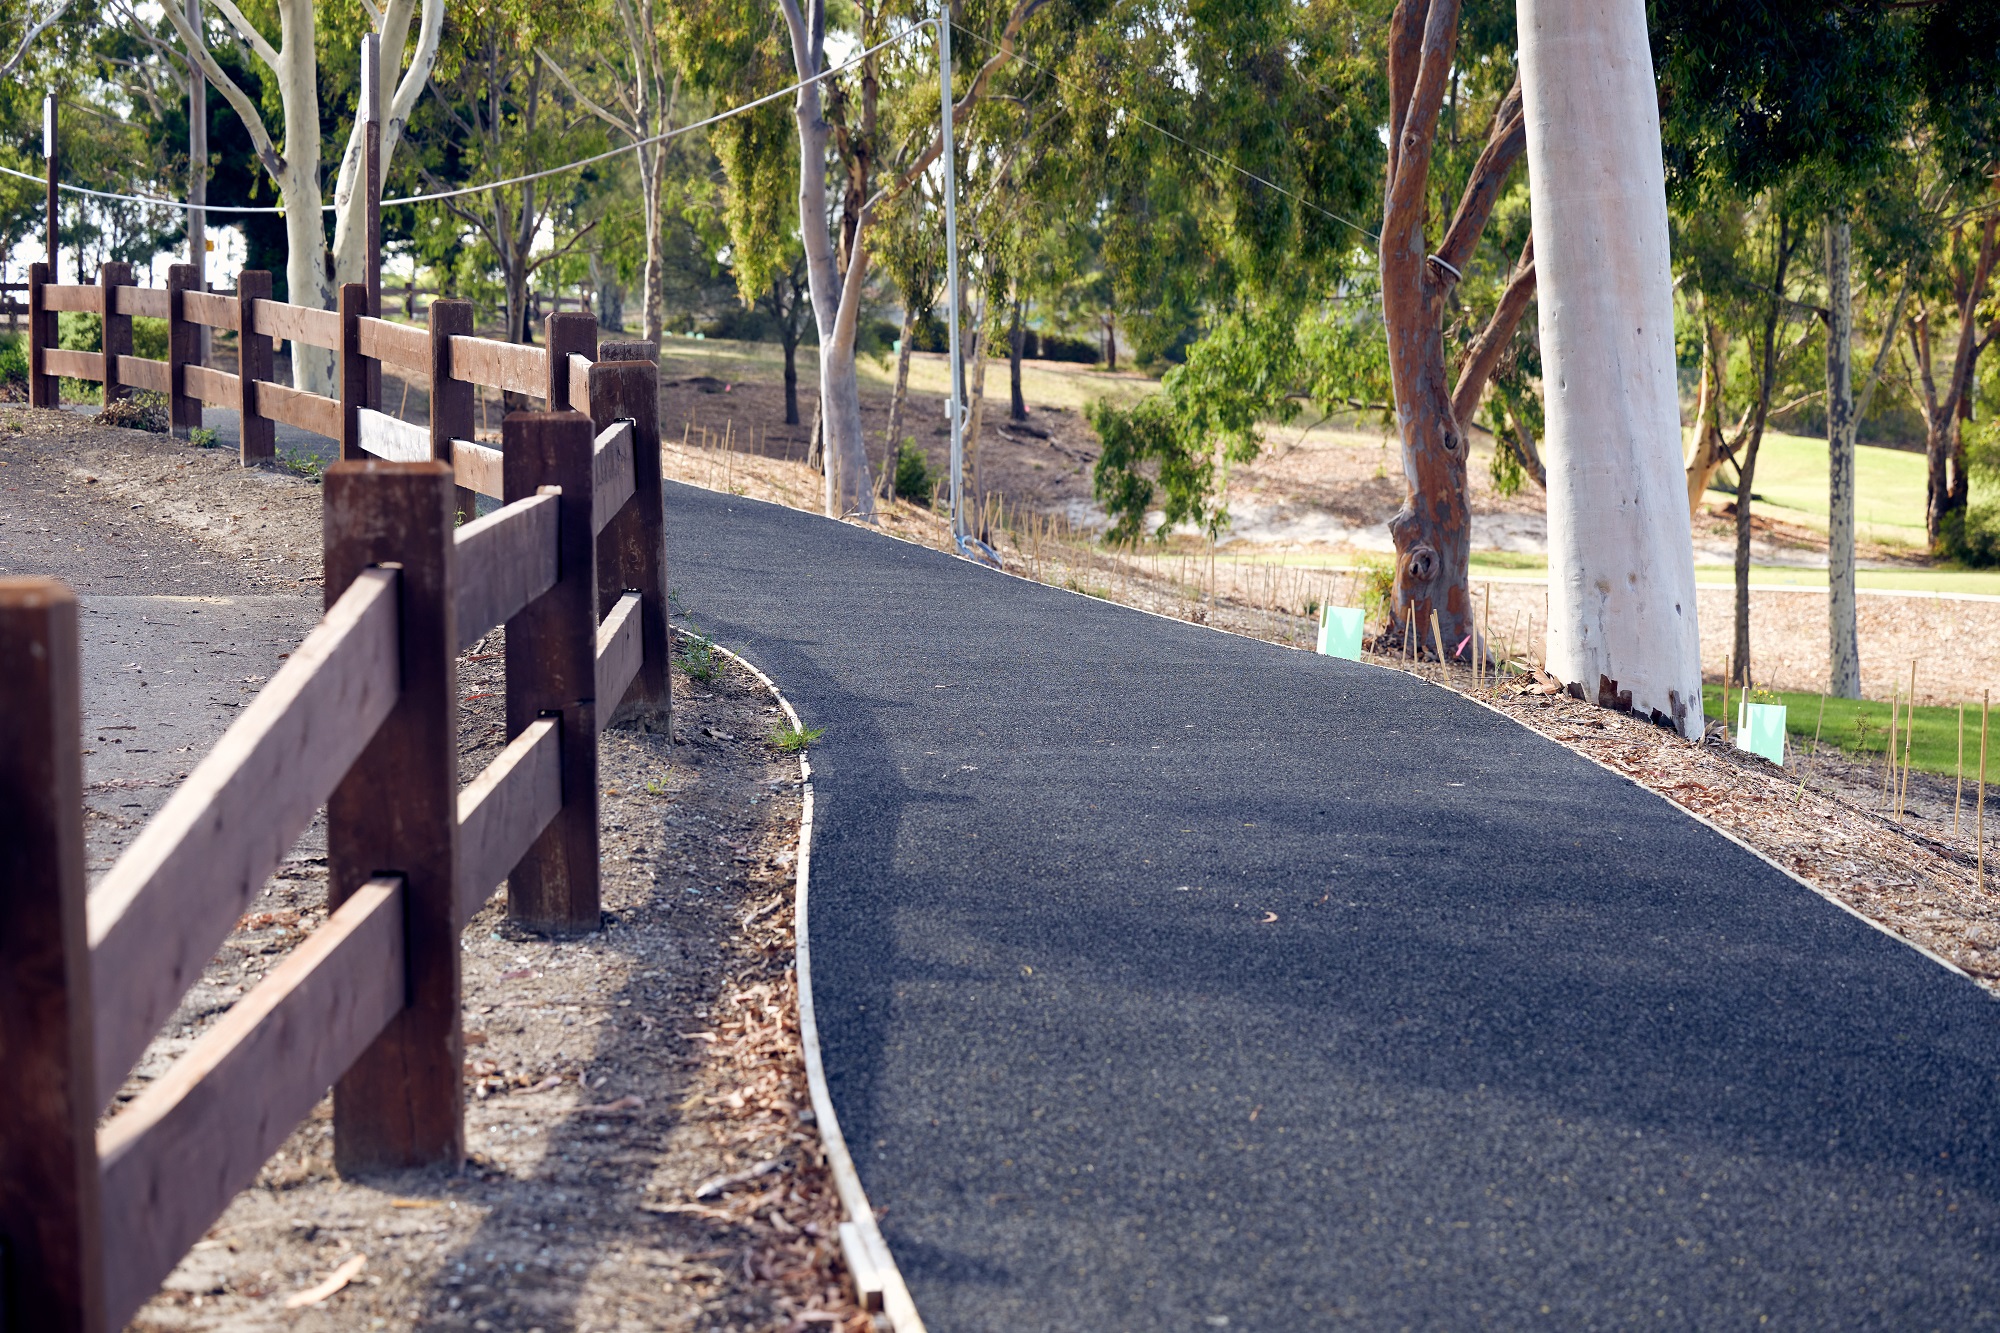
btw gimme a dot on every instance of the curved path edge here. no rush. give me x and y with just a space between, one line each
862 1246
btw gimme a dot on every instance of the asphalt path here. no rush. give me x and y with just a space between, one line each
1168 979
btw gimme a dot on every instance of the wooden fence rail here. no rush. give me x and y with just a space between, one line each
361 719
616 385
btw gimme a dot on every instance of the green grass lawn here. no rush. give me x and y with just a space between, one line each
1861 728
1888 488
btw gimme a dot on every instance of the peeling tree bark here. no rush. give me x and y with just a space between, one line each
1433 530
1621 565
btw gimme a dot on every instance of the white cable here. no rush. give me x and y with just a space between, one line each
516 180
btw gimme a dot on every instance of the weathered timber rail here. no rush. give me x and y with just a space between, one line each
361 720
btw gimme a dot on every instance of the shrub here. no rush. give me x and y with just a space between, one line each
13 359
913 474
1971 536
142 411
1375 583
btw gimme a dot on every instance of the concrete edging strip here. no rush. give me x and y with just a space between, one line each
866 1253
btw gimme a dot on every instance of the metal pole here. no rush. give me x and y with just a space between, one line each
49 154
198 176
371 186
197 163
951 278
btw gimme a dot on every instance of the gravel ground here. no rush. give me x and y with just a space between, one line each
640 1150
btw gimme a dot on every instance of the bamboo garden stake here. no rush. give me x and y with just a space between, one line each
1889 769
1800 798
1437 637
1728 671
1909 735
1958 788
1979 815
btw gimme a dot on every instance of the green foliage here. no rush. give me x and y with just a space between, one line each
13 359
1375 584
77 331
913 480
201 437
698 659
1172 450
794 740
302 463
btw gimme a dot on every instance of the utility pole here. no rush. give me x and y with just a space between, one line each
371 187
951 279
49 154
198 172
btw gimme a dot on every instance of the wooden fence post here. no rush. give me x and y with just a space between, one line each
44 389
632 549
257 433
564 335
454 410
51 1261
183 349
552 671
396 812
354 393
117 336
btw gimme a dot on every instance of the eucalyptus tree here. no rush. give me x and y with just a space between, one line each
293 157
1203 211
501 112
624 53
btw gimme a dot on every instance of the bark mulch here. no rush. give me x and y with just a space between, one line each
641 1152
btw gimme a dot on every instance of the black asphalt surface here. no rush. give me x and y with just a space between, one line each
1172 980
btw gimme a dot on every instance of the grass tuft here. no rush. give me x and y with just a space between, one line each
794 740
698 659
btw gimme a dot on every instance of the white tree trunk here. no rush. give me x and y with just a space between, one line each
350 233
1621 564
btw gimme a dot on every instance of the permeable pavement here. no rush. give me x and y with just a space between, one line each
1168 979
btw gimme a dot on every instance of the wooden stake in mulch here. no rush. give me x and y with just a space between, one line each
1979 816
1958 789
1437 637
1800 798
1410 640
1909 735
1728 673
1889 769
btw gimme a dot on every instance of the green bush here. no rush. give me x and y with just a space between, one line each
1376 585
149 338
79 332
913 474
13 359
1971 536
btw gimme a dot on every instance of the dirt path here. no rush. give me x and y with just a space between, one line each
640 1152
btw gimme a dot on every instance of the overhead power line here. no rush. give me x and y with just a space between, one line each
435 195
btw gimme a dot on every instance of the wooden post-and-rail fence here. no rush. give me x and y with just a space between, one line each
360 719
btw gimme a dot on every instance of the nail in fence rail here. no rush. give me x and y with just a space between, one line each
51 1258
552 670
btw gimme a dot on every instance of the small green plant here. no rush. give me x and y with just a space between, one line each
1086 590
201 437
698 659
655 787
913 473
1375 582
794 740
300 463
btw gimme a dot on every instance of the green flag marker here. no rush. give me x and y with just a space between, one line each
1761 730
1340 632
